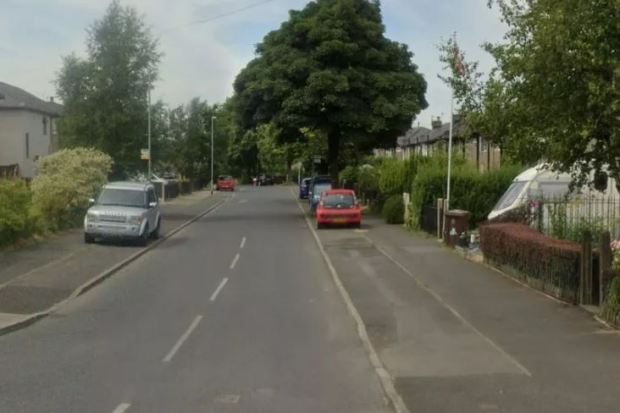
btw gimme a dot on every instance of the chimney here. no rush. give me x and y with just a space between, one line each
436 123
51 99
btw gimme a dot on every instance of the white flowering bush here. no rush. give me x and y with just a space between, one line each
65 181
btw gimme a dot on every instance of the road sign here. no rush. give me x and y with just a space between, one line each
145 154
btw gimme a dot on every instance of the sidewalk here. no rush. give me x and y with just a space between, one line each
35 278
459 337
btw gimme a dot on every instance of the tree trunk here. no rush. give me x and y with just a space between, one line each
333 149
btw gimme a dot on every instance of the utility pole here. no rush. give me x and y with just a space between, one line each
149 131
212 129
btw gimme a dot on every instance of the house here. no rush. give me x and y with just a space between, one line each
423 141
27 130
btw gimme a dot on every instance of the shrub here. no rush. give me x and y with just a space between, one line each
15 208
470 190
391 177
348 177
65 181
394 210
410 169
549 264
611 308
368 181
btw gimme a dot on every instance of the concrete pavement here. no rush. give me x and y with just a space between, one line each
459 337
235 313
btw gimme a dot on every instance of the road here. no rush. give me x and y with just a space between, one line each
236 313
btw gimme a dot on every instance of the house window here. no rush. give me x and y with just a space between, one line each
27 146
484 146
44 126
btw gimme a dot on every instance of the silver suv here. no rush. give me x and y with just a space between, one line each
124 210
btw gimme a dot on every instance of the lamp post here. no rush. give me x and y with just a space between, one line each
212 129
148 133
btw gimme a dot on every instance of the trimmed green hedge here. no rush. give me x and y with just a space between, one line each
394 210
548 264
472 190
391 177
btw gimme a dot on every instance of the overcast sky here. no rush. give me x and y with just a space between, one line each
203 59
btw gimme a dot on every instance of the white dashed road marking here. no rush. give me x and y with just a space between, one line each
218 289
121 408
182 340
235 260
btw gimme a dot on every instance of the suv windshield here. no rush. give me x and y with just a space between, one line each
122 197
338 201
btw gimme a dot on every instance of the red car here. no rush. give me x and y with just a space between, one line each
225 183
338 207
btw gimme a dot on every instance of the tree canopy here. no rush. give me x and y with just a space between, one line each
559 83
330 68
105 94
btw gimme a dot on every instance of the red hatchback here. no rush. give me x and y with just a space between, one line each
225 183
338 207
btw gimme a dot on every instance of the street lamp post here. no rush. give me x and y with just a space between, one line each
148 133
212 129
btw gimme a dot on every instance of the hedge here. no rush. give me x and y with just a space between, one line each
16 220
391 177
394 210
548 264
472 190
65 181
348 177
611 308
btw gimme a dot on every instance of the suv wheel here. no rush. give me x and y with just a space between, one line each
144 238
155 234
88 239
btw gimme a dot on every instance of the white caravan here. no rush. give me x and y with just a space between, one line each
540 183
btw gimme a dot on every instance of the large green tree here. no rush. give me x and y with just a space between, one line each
559 83
330 68
105 94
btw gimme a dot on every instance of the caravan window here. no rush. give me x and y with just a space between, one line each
511 195
549 190
554 189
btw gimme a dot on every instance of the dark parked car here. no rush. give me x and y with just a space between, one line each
265 180
317 190
304 188
317 180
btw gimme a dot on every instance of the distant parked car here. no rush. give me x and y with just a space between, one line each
127 210
317 190
225 183
304 187
265 180
338 207
313 194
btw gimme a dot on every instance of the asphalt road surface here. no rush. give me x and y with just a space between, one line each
236 313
